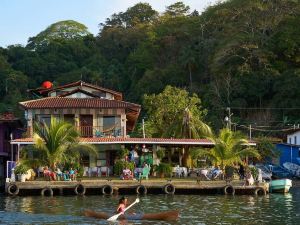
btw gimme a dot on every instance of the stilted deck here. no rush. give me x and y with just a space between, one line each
114 186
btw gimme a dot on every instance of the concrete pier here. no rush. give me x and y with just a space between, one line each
164 186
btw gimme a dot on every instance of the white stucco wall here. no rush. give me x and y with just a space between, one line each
294 138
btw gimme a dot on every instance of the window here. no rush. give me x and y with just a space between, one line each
44 119
290 141
295 140
111 122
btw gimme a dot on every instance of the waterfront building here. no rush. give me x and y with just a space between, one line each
101 116
10 128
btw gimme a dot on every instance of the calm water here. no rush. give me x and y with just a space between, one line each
194 209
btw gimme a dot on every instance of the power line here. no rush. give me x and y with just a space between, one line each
264 108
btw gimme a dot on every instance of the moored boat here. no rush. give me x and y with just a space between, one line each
292 168
280 185
167 216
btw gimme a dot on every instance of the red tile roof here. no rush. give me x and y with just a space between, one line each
161 141
99 140
61 102
45 91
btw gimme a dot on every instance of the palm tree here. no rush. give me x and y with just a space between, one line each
188 60
229 148
192 127
56 144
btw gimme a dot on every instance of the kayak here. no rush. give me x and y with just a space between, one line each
168 215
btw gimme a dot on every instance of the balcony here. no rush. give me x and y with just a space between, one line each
92 131
98 131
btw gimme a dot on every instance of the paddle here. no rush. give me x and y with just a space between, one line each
115 217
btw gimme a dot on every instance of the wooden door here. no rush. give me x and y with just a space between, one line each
86 125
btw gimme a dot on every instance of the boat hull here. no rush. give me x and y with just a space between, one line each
281 185
166 216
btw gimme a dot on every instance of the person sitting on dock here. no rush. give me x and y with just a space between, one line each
249 178
216 172
72 174
59 174
48 174
127 174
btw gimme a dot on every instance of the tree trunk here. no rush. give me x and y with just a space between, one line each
187 160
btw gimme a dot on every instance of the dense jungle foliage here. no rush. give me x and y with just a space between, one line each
242 54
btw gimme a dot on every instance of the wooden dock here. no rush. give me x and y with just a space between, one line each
108 187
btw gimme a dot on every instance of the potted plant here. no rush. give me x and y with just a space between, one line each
164 169
20 171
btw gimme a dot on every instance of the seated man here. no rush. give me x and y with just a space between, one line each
216 172
127 174
72 174
59 174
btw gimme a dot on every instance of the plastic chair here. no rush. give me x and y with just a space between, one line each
145 173
104 170
93 171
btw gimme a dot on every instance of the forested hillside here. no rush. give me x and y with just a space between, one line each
243 54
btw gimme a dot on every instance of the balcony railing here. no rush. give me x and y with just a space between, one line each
93 131
99 131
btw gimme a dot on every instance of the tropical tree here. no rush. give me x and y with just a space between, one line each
173 113
55 144
266 148
229 149
60 31
177 9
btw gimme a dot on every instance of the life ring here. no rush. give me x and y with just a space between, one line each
169 189
260 191
107 189
13 189
79 189
47 192
229 190
141 190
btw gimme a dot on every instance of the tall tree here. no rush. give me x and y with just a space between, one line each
177 9
62 30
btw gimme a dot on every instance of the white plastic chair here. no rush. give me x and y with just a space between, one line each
104 169
94 171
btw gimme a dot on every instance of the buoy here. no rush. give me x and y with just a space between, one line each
47 192
141 190
13 189
79 189
169 189
107 189
229 190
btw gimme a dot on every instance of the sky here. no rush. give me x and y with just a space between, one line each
21 19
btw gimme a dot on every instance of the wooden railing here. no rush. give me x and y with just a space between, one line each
92 131
99 131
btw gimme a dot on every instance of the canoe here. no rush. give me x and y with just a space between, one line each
167 216
281 185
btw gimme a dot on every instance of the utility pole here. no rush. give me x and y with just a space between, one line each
250 131
143 123
229 117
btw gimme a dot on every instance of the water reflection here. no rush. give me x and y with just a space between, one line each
194 209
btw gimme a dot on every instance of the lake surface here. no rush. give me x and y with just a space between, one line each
194 209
